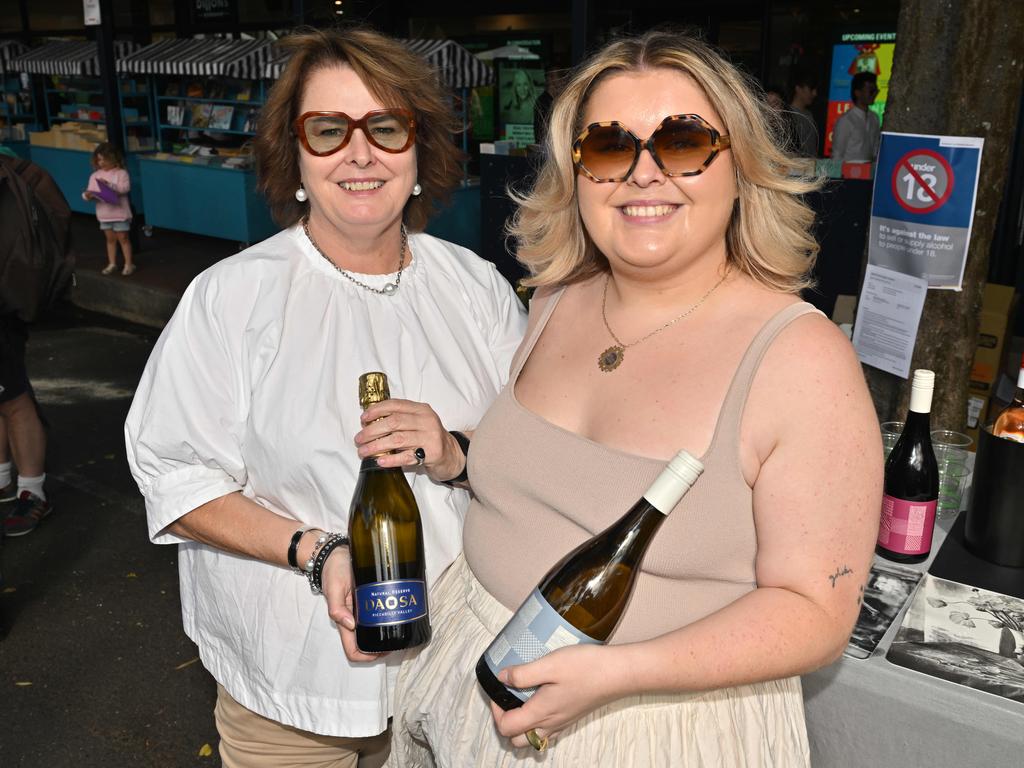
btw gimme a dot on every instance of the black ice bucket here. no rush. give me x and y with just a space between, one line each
994 528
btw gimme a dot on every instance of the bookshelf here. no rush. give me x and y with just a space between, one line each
209 118
18 113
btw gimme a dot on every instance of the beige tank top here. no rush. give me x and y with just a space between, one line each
541 490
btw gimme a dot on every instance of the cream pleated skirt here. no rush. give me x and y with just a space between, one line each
442 717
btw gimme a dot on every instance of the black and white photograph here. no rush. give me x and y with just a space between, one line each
887 591
966 635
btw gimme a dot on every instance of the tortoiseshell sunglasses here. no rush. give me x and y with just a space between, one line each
681 145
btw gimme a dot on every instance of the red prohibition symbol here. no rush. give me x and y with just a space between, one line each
922 181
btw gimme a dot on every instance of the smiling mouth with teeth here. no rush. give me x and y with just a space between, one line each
360 186
648 210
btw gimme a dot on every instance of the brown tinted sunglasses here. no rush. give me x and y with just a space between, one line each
681 145
324 133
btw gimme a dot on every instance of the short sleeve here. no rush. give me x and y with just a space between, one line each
184 430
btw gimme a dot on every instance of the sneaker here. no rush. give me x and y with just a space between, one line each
129 269
9 492
28 510
109 269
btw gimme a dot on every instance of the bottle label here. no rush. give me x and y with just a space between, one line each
535 630
906 526
380 603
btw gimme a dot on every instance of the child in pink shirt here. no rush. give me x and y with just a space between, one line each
108 186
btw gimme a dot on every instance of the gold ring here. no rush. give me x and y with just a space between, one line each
538 743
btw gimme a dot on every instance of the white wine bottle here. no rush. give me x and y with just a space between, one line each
911 488
386 545
582 598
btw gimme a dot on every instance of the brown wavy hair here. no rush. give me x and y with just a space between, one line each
396 77
769 234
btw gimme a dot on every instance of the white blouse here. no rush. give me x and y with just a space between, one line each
253 387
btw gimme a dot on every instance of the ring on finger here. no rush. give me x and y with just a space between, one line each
421 456
540 743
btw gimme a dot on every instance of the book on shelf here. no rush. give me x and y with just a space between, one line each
243 93
220 116
249 126
172 89
201 115
175 114
194 90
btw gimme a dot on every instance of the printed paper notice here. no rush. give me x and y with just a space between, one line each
888 314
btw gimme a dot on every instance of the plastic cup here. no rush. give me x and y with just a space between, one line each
952 481
951 438
949 454
891 431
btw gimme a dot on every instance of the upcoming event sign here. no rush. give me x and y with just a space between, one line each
923 206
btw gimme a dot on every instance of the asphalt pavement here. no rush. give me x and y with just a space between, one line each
95 669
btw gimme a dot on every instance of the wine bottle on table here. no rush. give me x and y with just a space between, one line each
582 598
1009 423
386 545
911 488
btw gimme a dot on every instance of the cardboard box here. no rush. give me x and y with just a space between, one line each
998 307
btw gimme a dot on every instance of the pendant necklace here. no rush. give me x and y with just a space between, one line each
389 289
612 357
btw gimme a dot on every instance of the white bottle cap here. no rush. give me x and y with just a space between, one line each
921 389
673 482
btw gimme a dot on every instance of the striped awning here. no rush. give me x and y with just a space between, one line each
457 67
211 56
66 57
10 50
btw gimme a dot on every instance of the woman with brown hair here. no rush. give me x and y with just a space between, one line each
242 429
668 244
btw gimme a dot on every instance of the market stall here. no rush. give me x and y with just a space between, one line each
17 103
74 111
207 96
460 71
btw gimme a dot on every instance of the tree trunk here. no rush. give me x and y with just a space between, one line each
957 71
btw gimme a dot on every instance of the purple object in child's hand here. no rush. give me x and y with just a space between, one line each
105 193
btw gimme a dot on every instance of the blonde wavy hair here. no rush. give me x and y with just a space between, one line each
769 235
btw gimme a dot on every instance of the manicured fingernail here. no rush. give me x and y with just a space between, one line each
349 622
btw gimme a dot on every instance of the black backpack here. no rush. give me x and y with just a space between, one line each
36 265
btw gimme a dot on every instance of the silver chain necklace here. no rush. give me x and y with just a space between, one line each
389 289
612 357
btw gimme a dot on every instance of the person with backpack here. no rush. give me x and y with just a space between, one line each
35 266
108 186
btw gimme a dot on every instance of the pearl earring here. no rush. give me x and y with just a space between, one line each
417 190
300 195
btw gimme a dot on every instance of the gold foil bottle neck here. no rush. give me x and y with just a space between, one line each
373 388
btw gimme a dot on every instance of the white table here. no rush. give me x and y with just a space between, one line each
871 713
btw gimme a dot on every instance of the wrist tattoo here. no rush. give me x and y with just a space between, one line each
844 571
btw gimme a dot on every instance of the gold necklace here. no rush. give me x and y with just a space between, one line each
612 357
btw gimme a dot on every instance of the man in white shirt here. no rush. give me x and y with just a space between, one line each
856 133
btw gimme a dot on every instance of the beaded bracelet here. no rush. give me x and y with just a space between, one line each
334 541
321 540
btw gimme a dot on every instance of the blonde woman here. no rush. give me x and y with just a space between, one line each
668 245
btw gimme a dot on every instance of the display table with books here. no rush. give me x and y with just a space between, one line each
943 688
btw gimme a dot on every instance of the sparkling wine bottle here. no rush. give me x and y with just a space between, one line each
582 598
911 482
386 545
1010 421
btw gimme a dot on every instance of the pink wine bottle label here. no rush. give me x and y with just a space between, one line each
906 527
